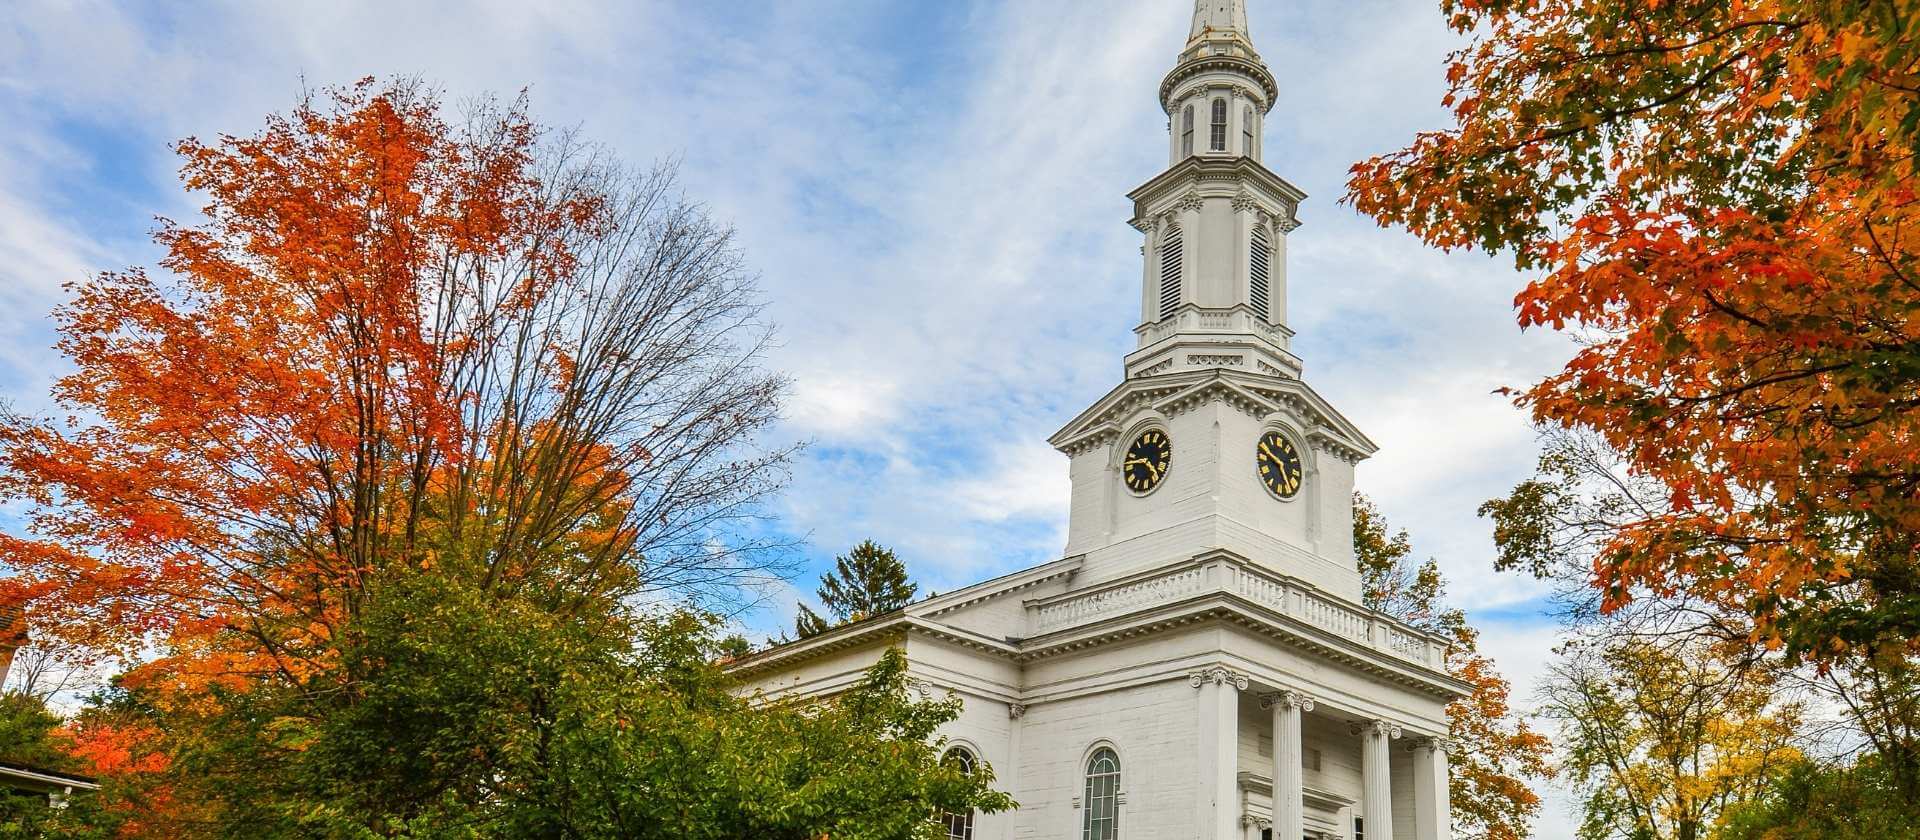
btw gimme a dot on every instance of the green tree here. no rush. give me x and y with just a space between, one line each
1496 753
1830 801
865 582
470 716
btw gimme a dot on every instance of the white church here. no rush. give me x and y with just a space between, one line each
1198 664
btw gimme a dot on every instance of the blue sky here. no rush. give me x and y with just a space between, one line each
933 193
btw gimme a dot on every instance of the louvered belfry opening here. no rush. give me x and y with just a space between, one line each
1170 253
1258 268
1217 136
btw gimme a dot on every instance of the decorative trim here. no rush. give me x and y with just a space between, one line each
1190 201
1156 367
1016 711
1253 70
1218 676
1229 359
1244 201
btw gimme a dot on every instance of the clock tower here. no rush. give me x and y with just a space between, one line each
1200 662
1213 440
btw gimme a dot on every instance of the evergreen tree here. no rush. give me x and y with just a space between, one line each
865 582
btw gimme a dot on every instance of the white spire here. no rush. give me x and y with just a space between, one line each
1221 17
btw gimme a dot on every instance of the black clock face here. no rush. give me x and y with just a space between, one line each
1147 461
1279 464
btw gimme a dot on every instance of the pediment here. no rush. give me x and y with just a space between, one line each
1257 395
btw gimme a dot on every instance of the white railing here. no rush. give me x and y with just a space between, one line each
1118 600
1290 597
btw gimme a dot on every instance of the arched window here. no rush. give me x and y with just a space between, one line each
959 826
1102 820
1170 254
1217 139
1246 132
1186 131
1259 267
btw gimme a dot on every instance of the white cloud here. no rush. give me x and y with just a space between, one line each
934 194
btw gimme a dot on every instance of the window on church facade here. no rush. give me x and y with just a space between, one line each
959 826
1258 268
1102 812
1186 132
1170 254
1246 132
1217 140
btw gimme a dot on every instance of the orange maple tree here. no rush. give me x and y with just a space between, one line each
1719 200
393 341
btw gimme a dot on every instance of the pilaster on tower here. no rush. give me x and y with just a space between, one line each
1213 281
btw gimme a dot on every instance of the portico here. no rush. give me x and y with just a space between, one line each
1275 800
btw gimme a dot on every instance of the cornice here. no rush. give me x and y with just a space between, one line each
1227 608
1233 171
893 629
1250 68
998 587
1233 395
1093 426
1253 393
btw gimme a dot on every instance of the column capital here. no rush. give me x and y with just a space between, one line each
1375 727
1261 823
1436 743
1016 711
1218 676
1288 699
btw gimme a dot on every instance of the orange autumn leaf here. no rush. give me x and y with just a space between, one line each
1720 199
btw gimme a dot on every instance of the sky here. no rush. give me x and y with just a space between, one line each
933 194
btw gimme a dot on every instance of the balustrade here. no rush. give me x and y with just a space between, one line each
1286 596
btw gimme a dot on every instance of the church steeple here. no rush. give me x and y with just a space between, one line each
1254 462
1214 285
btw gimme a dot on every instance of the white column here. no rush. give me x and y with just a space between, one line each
1289 811
1376 785
1432 812
1218 805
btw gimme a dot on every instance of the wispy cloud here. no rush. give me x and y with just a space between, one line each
933 192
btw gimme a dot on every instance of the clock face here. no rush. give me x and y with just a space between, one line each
1147 461
1279 464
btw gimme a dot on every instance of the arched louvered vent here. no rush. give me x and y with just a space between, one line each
1170 253
1259 266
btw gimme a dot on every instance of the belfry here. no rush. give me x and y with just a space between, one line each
1198 664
